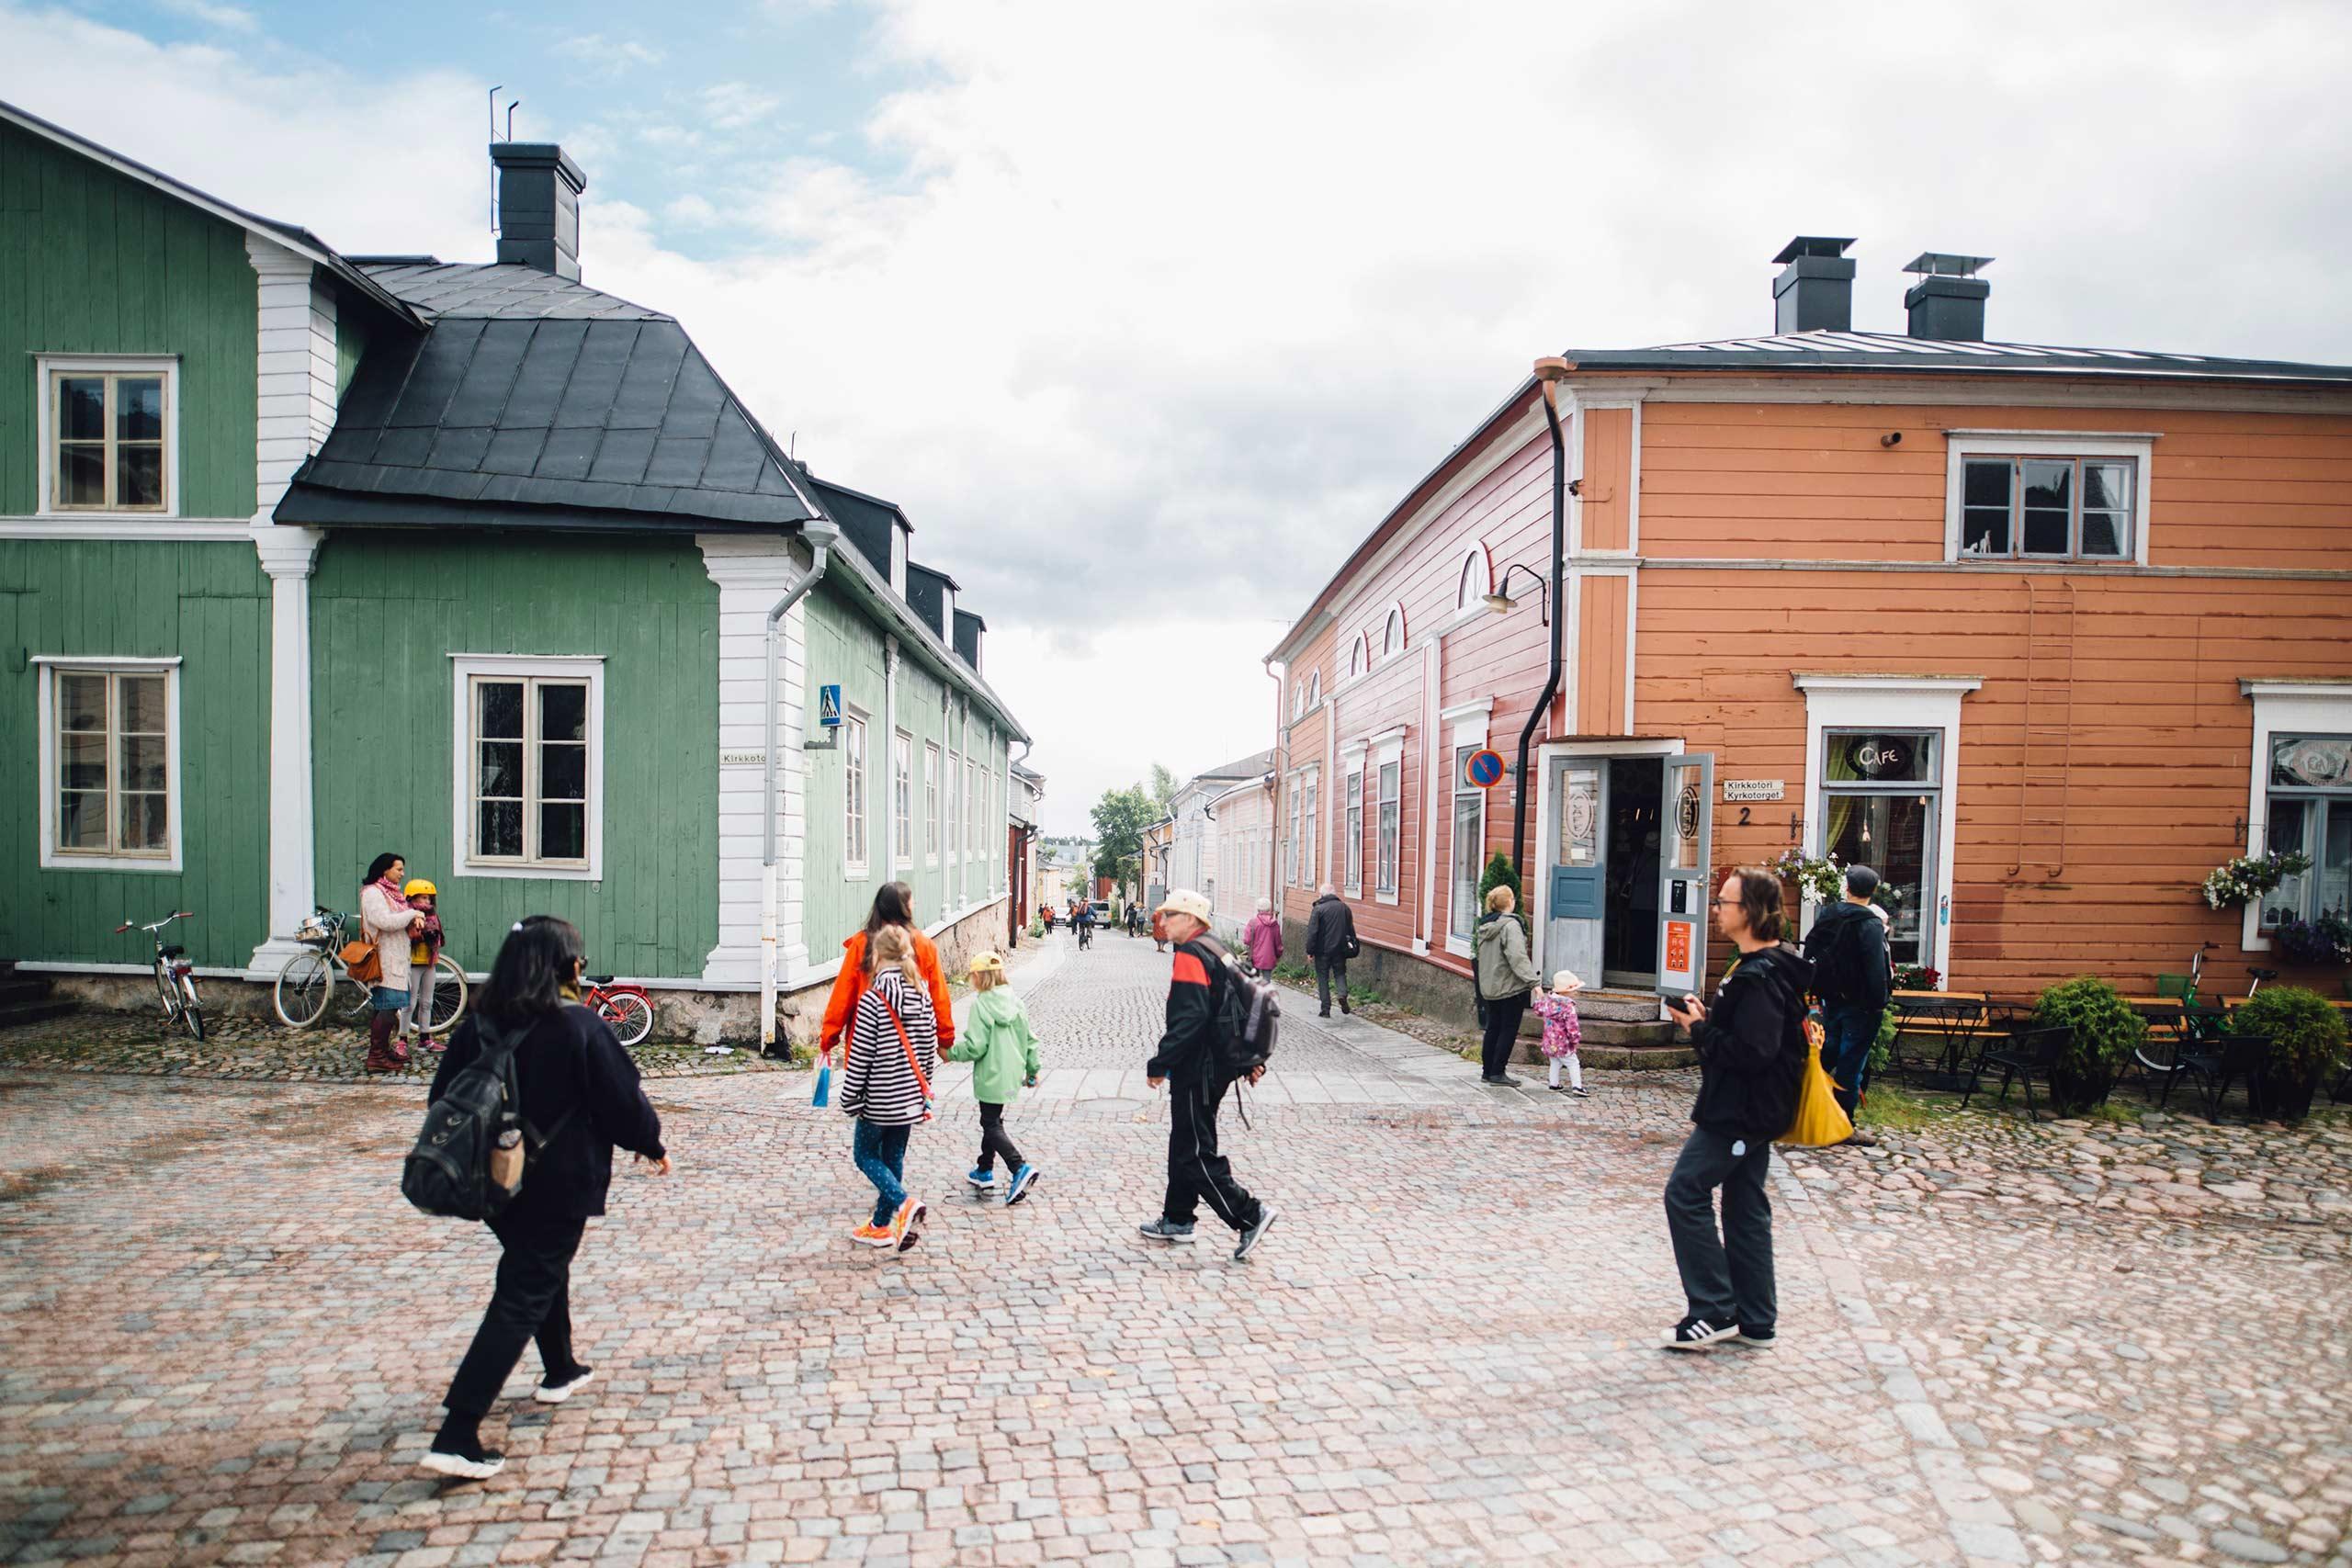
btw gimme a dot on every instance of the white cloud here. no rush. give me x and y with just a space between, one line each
234 18
1151 316
607 56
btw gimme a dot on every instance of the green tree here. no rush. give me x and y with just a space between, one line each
1161 790
1120 817
1500 875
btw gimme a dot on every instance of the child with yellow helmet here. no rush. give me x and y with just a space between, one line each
424 951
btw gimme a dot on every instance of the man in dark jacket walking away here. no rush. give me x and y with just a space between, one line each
1847 950
1751 1056
1330 943
1186 1062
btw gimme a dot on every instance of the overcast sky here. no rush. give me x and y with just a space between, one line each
1147 316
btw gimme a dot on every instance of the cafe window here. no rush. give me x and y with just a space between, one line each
2309 812
110 762
1880 802
108 434
530 764
1469 845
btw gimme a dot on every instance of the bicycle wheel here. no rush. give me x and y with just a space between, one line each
304 988
166 991
631 1016
191 1009
449 992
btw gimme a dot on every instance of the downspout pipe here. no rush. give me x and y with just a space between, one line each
1548 373
1282 752
821 534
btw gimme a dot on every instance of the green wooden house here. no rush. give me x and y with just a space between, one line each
305 556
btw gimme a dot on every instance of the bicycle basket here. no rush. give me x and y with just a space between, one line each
313 931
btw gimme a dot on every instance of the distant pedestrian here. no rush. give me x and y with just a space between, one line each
1263 937
1186 1061
1506 977
1563 1031
1752 1054
579 1093
1847 947
1330 943
894 905
884 1087
1083 918
424 951
1135 920
386 921
1003 1049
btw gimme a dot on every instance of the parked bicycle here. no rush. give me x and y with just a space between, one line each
627 1010
307 987
175 976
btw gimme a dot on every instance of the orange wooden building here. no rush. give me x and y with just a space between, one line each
2043 633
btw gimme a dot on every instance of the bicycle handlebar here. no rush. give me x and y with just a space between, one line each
120 930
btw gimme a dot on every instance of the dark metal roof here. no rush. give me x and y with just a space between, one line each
1883 351
867 521
534 400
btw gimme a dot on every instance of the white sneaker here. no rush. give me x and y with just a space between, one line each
556 1394
464 1468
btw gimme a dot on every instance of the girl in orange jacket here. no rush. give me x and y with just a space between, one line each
893 906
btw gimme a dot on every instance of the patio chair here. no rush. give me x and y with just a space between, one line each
2215 1066
2027 1054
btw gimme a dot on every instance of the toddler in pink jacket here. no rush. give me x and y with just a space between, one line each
1562 1033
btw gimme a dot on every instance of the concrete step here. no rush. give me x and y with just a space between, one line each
1621 1058
1617 1007
1607 1031
15 1013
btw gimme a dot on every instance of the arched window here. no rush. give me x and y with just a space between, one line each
1356 657
1477 578
1314 688
1392 634
1298 699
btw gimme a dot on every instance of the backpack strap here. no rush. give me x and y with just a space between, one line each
905 1045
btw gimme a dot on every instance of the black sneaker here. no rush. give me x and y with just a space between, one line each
553 1390
469 1462
1756 1338
1166 1230
1700 1334
1250 1237
1501 1080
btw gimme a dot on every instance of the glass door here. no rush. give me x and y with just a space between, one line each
1683 874
1577 897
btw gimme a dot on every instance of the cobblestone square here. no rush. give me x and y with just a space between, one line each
228 1337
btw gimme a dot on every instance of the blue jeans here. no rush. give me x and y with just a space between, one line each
1849 1029
881 1154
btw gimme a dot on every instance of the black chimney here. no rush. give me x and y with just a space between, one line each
538 207
1948 302
1815 292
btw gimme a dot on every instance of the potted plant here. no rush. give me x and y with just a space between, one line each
2306 1039
1819 878
2242 879
2327 940
2106 1033
1918 978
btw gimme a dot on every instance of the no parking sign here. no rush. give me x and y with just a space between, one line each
1483 768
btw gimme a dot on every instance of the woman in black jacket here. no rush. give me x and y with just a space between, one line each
1751 1056
580 1094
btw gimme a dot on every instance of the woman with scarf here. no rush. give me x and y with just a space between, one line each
386 921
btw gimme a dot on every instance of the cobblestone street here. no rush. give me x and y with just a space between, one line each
228 1337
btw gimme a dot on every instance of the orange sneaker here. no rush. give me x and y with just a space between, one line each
875 1236
906 1225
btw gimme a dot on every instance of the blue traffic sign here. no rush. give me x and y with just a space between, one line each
1484 768
829 708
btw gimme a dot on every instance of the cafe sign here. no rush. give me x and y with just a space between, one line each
1755 789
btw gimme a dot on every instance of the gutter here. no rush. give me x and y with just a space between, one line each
1548 373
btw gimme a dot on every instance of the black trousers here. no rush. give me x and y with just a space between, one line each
1502 1032
532 1300
994 1143
1328 971
1726 1278
1196 1168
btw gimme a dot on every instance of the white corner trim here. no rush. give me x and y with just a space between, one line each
1959 447
2321 705
44 425
45 744
463 667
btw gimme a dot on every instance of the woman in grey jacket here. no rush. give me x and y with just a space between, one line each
1506 977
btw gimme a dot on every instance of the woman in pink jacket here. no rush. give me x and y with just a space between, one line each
1263 937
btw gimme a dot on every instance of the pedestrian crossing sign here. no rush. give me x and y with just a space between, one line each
829 708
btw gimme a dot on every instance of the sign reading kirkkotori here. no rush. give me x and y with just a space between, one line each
1754 789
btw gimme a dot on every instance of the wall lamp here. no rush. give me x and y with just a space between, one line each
1500 601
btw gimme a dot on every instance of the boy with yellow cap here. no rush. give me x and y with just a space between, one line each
1002 1048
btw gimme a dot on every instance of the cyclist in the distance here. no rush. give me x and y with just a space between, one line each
1084 919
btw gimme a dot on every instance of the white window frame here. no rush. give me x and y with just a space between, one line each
47 367
1314 690
1351 769
1359 655
1310 793
1393 620
1467 724
1385 750
2288 707
971 810
934 820
52 857
902 799
465 668
951 809
1892 702
2137 447
857 793
1290 849
1474 579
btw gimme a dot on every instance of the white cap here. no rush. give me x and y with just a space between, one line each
1184 901
1566 980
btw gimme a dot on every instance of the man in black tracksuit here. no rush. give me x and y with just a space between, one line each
1330 943
1752 1056
1847 950
1186 1062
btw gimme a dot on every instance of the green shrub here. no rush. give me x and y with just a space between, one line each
1500 875
2106 1033
2306 1035
1883 1048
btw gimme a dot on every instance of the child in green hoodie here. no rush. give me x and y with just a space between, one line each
998 1042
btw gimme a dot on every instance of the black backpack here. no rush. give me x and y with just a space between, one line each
476 1147
1248 1018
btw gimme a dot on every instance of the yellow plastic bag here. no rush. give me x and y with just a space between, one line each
1820 1120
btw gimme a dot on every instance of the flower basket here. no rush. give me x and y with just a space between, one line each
2242 879
1819 878
2327 940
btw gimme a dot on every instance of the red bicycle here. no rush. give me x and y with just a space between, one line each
626 1009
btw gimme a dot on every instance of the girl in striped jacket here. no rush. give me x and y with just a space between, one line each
883 1085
